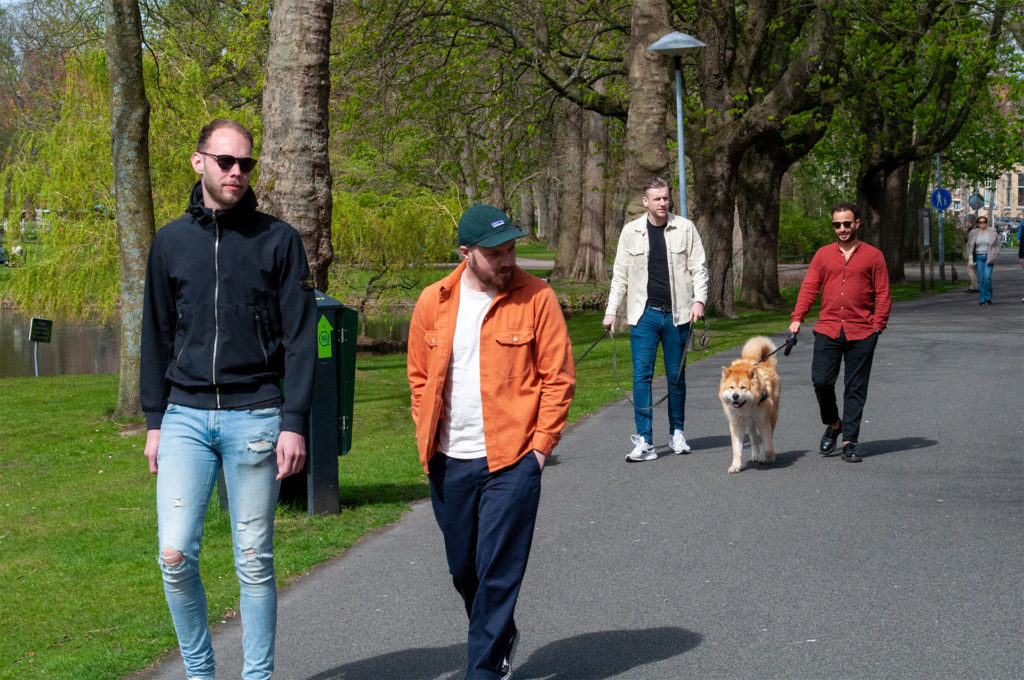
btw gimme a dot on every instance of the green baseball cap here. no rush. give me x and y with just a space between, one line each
486 226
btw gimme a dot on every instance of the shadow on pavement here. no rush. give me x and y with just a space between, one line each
591 656
876 448
425 663
783 459
607 654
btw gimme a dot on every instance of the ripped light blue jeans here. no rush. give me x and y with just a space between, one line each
194 445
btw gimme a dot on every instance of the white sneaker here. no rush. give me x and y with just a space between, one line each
678 442
641 450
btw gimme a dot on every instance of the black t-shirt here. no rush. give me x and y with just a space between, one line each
658 291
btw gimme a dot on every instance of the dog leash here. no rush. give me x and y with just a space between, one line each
607 331
787 346
703 342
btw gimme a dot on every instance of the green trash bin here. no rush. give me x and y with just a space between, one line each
330 414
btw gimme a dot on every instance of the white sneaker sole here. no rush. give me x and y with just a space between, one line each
651 455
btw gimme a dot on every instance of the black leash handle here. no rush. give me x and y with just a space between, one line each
790 344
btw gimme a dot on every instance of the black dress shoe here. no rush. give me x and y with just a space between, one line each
849 453
829 440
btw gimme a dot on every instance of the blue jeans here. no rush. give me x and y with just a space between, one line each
984 278
652 328
194 444
487 519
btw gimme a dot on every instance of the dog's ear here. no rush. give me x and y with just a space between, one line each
753 373
725 371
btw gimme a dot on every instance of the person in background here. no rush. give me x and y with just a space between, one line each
983 245
660 270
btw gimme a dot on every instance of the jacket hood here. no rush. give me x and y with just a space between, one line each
242 210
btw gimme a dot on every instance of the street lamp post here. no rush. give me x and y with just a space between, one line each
675 45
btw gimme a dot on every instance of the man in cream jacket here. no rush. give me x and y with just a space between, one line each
660 271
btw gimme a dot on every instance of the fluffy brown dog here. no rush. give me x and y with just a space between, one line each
750 392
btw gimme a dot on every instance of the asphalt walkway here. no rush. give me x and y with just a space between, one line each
907 565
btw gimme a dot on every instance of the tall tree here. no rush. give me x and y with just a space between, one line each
758 202
739 101
129 137
295 172
915 71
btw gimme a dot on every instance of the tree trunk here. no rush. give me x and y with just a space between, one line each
882 196
714 201
570 214
295 172
540 197
917 199
757 199
588 263
526 217
650 86
129 138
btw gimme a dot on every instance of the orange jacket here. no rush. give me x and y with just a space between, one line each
527 377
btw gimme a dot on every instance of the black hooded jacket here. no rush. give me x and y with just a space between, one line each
229 318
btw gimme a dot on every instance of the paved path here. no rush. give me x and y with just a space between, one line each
907 565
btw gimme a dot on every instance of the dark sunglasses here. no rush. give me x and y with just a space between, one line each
836 225
982 221
226 162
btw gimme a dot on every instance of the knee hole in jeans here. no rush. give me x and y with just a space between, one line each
171 557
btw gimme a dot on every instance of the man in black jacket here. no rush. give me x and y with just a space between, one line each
228 342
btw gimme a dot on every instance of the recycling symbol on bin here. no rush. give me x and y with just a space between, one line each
323 338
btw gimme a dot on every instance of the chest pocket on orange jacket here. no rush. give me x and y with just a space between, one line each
515 352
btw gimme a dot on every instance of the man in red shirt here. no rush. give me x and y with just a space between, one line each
855 302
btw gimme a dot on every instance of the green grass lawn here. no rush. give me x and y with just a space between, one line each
534 249
80 589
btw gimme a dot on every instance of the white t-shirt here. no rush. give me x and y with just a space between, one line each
462 428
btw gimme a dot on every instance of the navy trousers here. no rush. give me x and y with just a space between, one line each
487 519
856 356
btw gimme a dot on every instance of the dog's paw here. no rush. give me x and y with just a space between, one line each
736 467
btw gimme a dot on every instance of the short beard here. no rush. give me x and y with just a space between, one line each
491 280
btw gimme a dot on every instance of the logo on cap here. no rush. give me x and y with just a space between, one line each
497 223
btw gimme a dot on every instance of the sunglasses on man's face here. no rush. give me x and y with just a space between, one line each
837 225
982 221
225 162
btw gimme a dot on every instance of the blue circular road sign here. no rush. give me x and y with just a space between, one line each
941 199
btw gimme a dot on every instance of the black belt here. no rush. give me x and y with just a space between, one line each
660 308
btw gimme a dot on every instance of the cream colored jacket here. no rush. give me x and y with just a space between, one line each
686 269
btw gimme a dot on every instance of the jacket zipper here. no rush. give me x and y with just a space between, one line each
216 313
259 336
181 319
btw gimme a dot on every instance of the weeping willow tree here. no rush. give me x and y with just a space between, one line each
60 183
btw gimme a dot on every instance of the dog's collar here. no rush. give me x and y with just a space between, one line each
764 396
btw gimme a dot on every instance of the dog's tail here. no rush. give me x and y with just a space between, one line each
757 348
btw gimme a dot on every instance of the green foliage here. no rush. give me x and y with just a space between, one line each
802 231
380 243
61 186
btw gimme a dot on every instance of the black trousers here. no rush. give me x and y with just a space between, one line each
856 357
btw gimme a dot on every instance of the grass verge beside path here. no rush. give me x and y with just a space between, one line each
80 589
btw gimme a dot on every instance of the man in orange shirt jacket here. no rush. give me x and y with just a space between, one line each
491 373
855 303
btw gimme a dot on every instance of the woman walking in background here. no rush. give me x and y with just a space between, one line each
983 244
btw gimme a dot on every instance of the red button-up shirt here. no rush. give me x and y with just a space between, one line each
854 292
